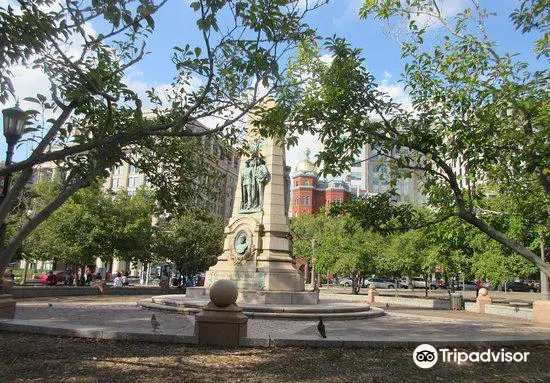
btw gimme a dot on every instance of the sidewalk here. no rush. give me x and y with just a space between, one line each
119 317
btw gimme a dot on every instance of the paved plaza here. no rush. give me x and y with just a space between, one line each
400 326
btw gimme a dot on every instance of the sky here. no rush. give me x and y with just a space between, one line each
175 25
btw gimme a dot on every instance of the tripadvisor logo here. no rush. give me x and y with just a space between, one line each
426 356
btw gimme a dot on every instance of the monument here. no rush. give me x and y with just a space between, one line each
257 254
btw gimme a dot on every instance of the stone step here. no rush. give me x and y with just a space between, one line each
328 311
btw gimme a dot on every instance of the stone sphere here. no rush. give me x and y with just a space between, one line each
223 293
483 291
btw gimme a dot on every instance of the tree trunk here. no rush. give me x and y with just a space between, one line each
544 281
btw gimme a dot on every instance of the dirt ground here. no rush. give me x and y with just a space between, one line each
34 358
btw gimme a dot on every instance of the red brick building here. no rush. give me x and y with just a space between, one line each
309 193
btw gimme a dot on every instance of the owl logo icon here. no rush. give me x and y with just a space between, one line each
425 356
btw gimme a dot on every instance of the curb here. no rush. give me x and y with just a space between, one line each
109 333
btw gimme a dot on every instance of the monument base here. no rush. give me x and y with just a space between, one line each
7 306
221 325
262 297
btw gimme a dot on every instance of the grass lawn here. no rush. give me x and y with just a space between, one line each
38 358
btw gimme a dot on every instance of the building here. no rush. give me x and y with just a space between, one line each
370 174
310 194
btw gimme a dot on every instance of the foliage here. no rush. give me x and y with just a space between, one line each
343 247
192 242
97 118
478 116
94 224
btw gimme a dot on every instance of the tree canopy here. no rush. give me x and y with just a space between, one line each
478 119
97 119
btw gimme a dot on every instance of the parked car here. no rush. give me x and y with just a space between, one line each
521 287
417 283
60 276
379 283
466 285
346 282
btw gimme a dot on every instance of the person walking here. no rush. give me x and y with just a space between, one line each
479 285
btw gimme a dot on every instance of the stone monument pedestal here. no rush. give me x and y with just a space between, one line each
7 303
483 299
371 295
541 310
221 322
257 253
7 306
263 297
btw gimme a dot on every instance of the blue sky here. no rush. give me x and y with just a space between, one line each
175 25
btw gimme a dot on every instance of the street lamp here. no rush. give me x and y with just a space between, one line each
14 122
313 247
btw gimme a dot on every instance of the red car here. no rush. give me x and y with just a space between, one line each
58 277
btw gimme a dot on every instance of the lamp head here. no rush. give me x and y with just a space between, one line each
14 123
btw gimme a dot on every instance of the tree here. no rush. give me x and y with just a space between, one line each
478 116
97 119
192 242
93 224
343 247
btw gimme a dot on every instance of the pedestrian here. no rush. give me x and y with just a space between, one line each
479 285
118 280
125 280
88 276
164 283
100 284
108 276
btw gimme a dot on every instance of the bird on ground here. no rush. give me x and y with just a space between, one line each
387 305
321 328
155 323
50 305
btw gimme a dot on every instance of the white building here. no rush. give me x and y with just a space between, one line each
370 174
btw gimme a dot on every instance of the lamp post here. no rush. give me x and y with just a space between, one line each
14 122
313 247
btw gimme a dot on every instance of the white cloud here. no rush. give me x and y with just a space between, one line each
297 153
28 81
351 11
448 8
395 90
327 59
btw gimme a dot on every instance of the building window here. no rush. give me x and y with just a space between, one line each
295 201
296 183
306 182
295 214
133 169
355 176
115 183
117 170
133 182
307 201
131 193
